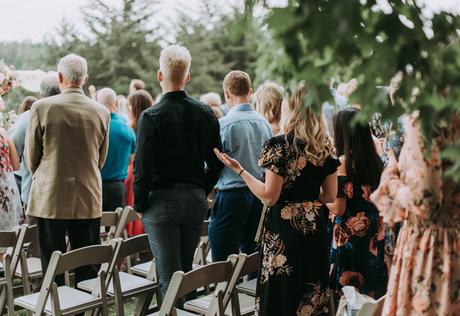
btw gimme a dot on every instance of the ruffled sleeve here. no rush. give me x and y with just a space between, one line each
273 156
415 185
331 165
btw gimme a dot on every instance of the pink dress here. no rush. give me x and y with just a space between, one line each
425 273
134 228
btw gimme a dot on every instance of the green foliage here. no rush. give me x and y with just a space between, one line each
24 56
219 43
120 46
325 39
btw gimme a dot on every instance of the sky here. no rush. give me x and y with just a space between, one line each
36 20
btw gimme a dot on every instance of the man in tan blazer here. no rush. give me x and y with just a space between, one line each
66 145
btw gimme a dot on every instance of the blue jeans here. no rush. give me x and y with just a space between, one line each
173 224
234 221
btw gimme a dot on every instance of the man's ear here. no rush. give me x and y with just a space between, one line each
250 92
116 105
189 77
85 80
159 75
60 77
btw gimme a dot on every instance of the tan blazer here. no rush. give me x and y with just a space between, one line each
66 145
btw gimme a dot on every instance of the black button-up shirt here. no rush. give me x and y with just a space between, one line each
175 139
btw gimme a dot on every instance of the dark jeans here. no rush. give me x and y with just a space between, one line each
81 233
113 194
234 221
173 224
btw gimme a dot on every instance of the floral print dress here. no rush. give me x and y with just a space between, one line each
357 251
10 202
294 252
425 273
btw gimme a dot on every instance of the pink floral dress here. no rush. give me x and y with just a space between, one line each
10 202
425 273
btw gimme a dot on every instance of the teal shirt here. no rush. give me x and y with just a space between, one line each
243 132
122 143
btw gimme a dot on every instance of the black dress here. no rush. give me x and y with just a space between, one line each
294 252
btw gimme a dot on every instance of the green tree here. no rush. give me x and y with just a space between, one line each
219 43
120 45
357 38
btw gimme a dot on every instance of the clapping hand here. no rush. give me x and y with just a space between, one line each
228 161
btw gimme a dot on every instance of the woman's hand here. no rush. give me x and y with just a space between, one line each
228 161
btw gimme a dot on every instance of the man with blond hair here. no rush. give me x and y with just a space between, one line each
65 148
176 138
236 213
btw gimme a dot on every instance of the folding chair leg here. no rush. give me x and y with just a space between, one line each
235 301
2 300
119 309
143 303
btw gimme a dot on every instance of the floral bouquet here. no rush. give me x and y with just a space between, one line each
7 78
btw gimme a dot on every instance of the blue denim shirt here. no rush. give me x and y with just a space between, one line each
243 132
18 136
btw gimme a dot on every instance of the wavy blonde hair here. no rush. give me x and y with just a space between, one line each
267 101
308 128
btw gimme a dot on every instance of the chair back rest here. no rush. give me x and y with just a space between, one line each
134 245
111 218
251 264
8 238
127 216
228 287
14 241
183 283
91 255
31 235
372 308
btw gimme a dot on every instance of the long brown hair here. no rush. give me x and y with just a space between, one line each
138 102
308 128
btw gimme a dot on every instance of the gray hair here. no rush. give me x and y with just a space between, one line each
106 97
211 99
49 86
73 68
175 63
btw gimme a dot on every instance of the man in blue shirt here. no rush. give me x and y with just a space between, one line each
236 213
122 142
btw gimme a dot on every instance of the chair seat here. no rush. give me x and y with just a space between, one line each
130 284
248 287
69 298
142 269
201 305
34 267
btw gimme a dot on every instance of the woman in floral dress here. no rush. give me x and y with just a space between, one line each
357 252
10 202
300 177
425 273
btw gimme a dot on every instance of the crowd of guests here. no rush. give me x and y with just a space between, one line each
332 190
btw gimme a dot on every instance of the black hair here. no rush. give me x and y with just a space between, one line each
353 139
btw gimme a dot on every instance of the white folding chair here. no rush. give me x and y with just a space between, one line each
65 300
201 304
30 268
125 285
183 283
12 240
